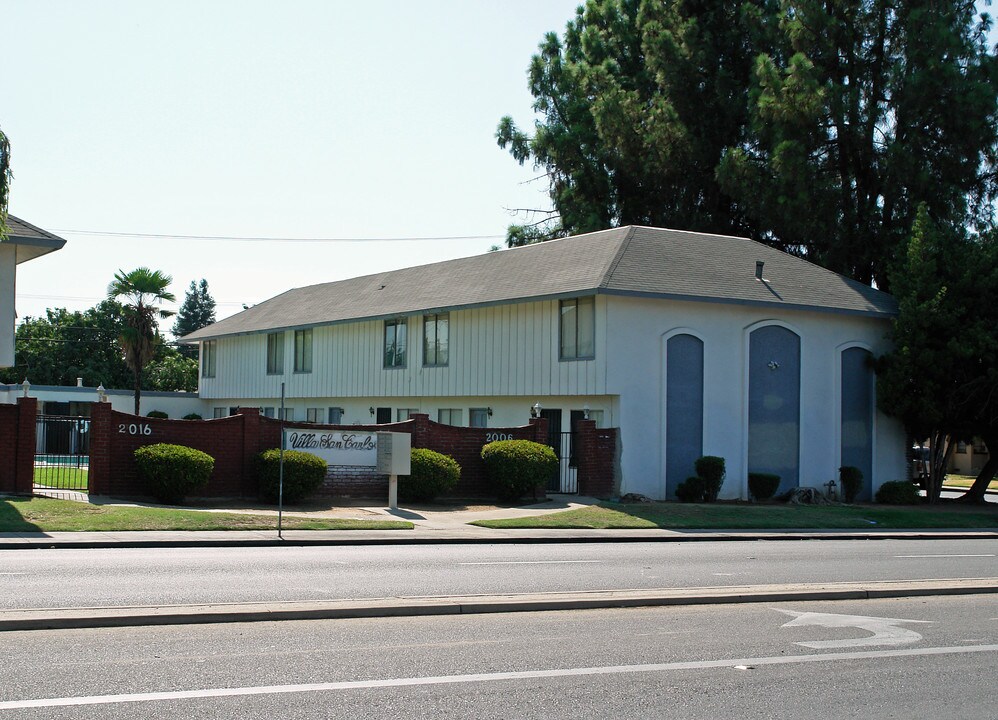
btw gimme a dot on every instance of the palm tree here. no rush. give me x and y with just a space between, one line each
144 288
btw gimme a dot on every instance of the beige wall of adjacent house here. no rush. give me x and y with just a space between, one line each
8 270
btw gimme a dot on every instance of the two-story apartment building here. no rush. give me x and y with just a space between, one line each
690 344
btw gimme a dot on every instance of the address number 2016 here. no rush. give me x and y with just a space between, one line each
135 429
492 437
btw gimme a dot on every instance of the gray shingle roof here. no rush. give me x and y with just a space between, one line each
623 261
31 241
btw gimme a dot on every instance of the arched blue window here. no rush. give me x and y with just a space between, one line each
774 404
857 415
683 408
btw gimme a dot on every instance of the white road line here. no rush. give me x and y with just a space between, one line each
488 677
531 562
939 556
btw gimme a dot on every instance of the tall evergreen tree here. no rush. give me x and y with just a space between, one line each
816 126
197 311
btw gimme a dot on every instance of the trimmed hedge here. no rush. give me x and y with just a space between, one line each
898 492
303 474
171 472
763 486
711 469
157 414
692 489
192 416
432 474
851 480
518 467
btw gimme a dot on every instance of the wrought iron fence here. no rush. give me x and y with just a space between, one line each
62 454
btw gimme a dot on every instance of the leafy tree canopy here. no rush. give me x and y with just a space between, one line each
941 379
817 127
65 345
5 177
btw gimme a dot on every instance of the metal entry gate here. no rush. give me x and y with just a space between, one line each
62 454
567 479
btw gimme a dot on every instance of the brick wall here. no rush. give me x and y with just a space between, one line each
17 445
235 441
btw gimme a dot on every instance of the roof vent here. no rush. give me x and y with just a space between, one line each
758 269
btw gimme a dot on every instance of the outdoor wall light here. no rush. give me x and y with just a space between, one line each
101 393
26 385
371 410
489 410
585 411
535 411
832 495
773 365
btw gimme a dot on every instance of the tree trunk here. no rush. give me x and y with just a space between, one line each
138 389
976 492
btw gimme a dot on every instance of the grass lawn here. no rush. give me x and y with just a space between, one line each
965 481
39 514
61 477
744 516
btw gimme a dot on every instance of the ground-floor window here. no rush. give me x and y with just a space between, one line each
405 413
478 417
335 415
449 416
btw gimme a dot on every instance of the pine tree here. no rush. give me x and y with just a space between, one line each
196 312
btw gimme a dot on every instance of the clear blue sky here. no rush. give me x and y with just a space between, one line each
295 119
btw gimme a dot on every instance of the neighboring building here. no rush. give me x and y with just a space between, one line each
75 400
691 344
968 458
24 242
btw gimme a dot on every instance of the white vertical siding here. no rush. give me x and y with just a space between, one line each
498 350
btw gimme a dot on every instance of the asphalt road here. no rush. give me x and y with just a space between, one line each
909 658
122 577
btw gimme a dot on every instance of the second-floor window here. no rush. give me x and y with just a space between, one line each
275 353
209 351
303 351
395 343
578 328
436 334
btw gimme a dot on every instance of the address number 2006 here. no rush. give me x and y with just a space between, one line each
135 429
492 437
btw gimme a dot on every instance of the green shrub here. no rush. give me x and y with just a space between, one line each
898 492
692 489
851 480
193 416
518 467
303 474
159 414
432 474
711 469
171 472
763 485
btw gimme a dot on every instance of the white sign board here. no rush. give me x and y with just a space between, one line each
339 447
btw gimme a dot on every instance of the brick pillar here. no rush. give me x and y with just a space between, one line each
540 430
101 426
251 448
420 430
24 474
585 456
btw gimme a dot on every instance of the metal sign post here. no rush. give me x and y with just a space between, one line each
280 474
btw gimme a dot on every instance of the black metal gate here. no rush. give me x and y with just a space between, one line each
567 479
62 454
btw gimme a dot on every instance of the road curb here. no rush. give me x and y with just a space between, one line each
31 544
75 618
